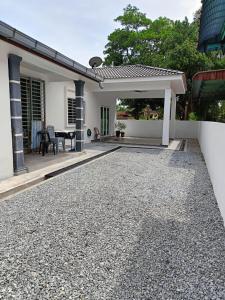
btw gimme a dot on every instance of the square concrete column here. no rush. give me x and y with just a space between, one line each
166 118
79 85
173 116
16 112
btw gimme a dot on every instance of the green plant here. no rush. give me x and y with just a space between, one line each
117 125
120 126
193 116
123 126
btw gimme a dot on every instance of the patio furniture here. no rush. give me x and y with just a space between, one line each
70 135
45 142
97 136
56 140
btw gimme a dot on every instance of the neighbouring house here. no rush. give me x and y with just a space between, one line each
40 86
150 114
122 115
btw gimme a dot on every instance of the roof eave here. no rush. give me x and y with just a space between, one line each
10 36
146 78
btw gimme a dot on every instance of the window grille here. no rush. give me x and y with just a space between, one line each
71 111
33 107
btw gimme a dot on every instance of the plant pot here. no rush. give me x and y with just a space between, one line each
118 133
122 134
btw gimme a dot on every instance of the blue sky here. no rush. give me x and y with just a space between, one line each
79 29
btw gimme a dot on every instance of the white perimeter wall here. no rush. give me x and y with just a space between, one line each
211 138
143 128
187 129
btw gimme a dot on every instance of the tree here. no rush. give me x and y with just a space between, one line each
160 43
123 45
197 16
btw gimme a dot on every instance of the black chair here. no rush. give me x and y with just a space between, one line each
45 142
55 139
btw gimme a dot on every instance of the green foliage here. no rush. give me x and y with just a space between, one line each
120 126
193 116
136 107
120 107
211 110
160 43
123 126
133 19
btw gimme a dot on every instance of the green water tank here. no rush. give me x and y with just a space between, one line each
212 26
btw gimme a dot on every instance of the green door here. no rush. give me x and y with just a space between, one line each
104 121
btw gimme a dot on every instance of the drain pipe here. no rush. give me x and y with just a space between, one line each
101 85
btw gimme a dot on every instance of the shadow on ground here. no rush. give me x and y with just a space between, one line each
180 251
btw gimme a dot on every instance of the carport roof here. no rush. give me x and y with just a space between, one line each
134 71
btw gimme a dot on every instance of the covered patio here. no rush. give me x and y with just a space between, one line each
36 83
144 82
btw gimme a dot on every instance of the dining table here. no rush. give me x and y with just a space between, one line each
67 135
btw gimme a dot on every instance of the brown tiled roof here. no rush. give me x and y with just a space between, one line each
134 71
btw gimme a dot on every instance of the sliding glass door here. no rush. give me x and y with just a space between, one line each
104 120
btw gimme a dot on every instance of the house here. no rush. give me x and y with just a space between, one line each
42 86
122 115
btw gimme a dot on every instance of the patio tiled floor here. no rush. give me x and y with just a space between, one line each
39 166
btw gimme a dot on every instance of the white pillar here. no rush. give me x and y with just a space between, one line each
173 116
166 118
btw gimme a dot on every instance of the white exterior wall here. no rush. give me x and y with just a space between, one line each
6 156
211 138
55 104
57 94
94 101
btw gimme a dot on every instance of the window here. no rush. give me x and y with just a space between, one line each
71 111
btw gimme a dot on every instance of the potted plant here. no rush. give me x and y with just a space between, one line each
117 126
120 129
123 126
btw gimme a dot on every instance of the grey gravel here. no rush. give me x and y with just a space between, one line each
136 224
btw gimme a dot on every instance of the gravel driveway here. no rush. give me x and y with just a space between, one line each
135 224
